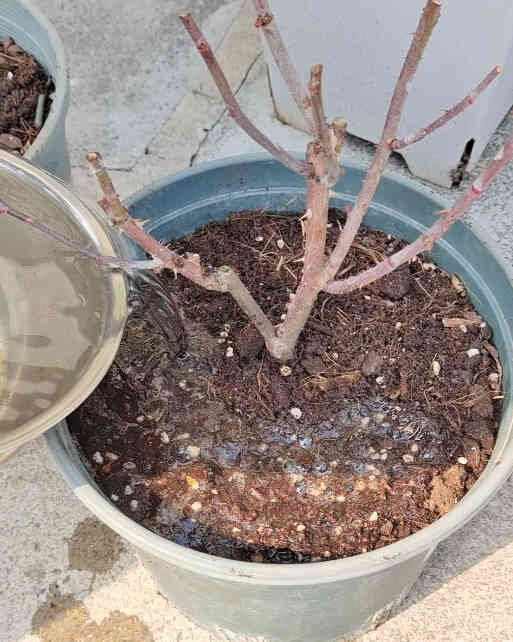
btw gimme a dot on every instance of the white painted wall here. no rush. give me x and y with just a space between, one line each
362 44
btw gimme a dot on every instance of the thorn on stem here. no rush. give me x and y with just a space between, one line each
263 20
307 102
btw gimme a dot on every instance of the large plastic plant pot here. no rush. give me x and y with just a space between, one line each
322 601
23 21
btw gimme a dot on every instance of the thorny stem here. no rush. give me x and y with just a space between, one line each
230 281
316 217
432 234
321 171
314 280
449 114
321 131
315 225
265 20
224 279
118 212
424 29
189 265
232 105
100 259
331 138
338 132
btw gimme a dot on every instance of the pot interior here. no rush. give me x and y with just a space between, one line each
179 206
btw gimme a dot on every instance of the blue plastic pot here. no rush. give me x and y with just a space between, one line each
23 21
320 601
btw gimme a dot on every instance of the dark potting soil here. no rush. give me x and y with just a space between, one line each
22 81
384 419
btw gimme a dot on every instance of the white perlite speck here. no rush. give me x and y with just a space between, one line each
196 506
286 371
463 461
229 352
134 504
408 459
259 239
280 243
436 368
373 517
129 490
296 413
114 497
379 418
192 451
473 352
164 437
111 456
300 528
97 457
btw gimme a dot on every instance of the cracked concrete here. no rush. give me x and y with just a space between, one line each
130 65
52 551
212 127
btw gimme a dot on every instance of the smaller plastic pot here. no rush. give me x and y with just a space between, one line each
23 21
322 601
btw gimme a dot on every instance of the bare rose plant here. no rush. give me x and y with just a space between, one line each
321 170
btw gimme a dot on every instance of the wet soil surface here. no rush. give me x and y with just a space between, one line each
22 81
383 420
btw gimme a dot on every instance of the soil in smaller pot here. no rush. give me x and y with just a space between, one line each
22 82
384 419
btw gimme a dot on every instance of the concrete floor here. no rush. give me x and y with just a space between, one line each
64 577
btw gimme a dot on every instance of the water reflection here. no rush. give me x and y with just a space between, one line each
51 320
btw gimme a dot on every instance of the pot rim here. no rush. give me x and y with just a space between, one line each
496 472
